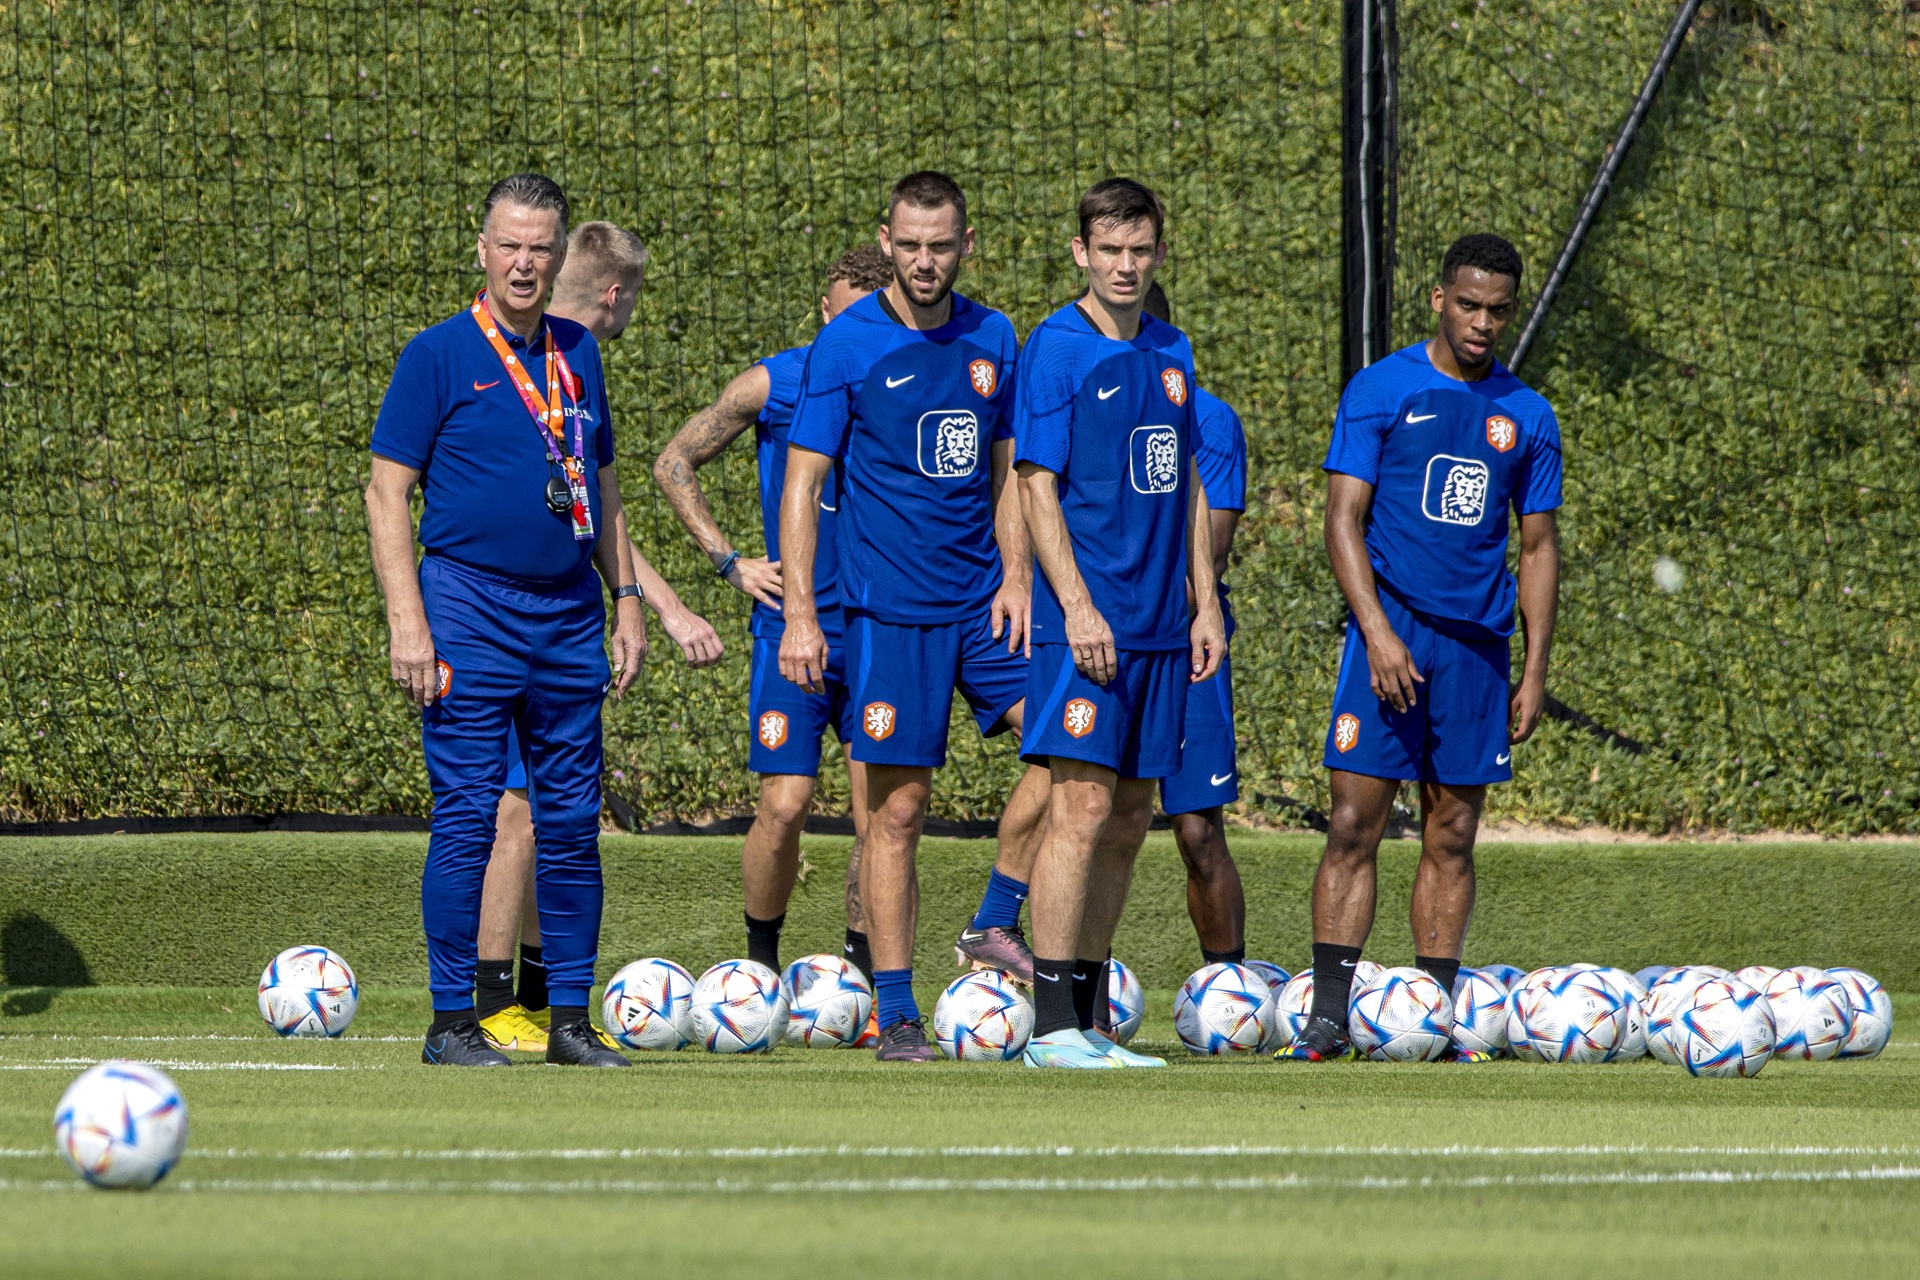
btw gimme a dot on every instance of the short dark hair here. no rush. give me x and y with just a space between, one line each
1483 251
927 189
1121 200
1156 304
864 267
533 190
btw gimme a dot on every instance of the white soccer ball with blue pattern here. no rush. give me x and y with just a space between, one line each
1666 997
1292 1008
828 1001
1573 1015
120 1124
738 1008
1277 980
1723 1028
1223 1009
1403 1015
1757 976
1126 1002
649 1005
1634 1043
1480 1012
982 1017
1872 1013
1504 974
308 992
1812 1016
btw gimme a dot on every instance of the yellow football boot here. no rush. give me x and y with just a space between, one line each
513 1028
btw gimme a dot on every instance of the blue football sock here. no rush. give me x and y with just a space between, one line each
893 991
1000 908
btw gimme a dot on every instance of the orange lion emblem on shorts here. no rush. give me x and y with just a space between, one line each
442 678
1079 717
878 720
1346 733
773 730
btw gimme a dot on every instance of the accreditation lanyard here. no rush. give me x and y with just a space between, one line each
548 417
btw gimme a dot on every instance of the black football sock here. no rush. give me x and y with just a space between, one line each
493 987
1333 980
532 995
1444 971
448 1019
1053 997
563 1014
1086 978
858 953
1234 956
763 940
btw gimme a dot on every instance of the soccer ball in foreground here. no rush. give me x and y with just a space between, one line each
1872 1013
738 1008
1665 998
982 1017
828 1001
1223 1009
1403 1015
1724 1028
120 1124
308 991
1812 1016
1480 1012
1572 1016
1633 1044
1126 1003
1292 1007
649 1005
1277 979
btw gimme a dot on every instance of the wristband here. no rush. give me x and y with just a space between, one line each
725 567
631 589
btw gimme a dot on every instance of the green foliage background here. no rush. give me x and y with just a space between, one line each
221 221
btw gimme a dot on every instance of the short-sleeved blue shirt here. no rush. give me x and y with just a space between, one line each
452 414
1220 460
1115 422
1446 460
911 417
784 372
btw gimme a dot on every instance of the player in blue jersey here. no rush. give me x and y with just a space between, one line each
1126 616
786 722
905 401
1431 448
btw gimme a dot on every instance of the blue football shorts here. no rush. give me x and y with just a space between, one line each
1455 733
1209 758
1132 725
904 678
785 720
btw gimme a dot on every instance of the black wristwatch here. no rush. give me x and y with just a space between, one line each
631 589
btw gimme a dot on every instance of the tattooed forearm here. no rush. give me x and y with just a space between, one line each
704 437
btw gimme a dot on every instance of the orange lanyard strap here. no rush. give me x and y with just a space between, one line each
546 411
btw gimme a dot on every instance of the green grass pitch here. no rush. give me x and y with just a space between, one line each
350 1158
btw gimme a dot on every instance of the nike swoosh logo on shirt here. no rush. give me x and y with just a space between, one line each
1109 391
1225 777
891 383
1425 417
482 386
1503 757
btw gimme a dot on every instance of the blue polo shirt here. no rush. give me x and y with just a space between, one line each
452 414
785 370
1220 460
912 417
1115 422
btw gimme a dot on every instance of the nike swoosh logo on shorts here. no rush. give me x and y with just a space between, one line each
902 382
1503 757
1223 778
1425 417
1108 392
482 386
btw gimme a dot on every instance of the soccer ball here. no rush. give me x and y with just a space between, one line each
1403 1015
1812 1015
1277 979
1724 1028
1504 974
649 1005
1125 1001
982 1017
738 1008
1572 1016
1665 999
308 991
1364 971
1223 1009
1872 1013
1292 1007
120 1124
1634 1043
1480 1012
1651 974
1757 976
828 1001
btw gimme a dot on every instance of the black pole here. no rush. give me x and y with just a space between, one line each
1603 182
1369 129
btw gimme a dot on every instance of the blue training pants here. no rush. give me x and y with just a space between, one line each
534 659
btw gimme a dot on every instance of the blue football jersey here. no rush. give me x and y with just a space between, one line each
1115 422
784 372
1220 460
911 417
1446 460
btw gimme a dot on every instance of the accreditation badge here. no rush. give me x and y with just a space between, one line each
582 513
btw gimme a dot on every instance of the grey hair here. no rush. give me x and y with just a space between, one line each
530 190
